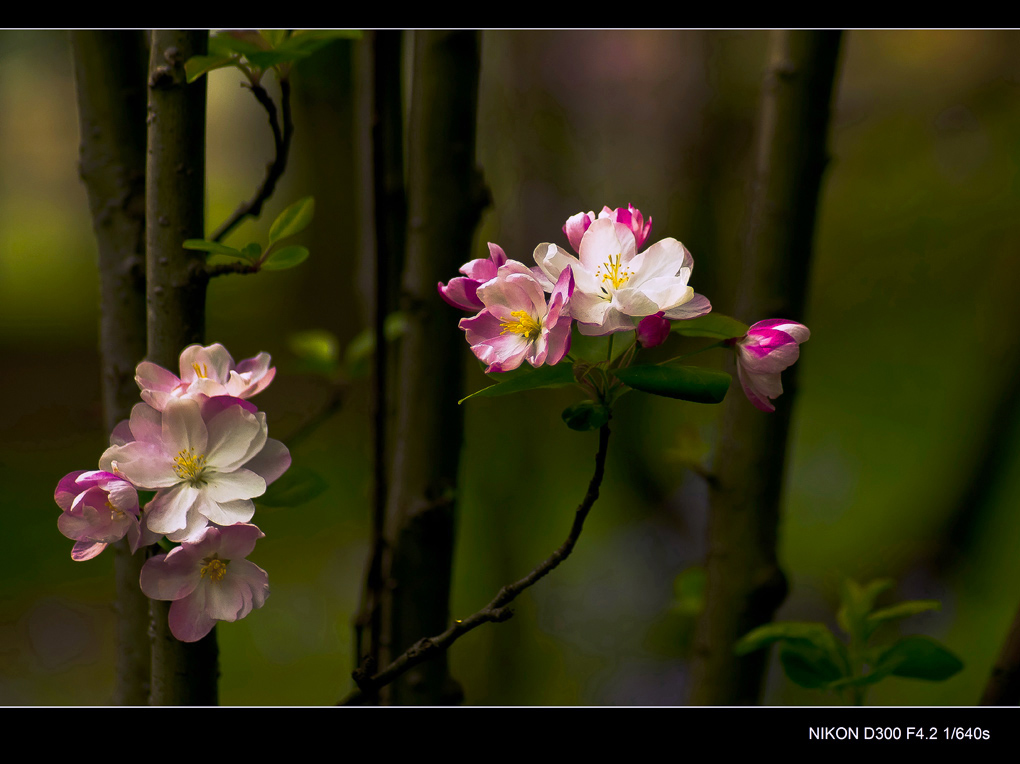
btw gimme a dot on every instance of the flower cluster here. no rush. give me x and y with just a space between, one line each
205 450
610 285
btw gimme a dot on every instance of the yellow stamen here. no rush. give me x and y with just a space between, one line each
202 371
215 567
613 274
524 325
114 512
190 467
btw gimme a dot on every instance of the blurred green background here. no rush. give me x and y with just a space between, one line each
903 459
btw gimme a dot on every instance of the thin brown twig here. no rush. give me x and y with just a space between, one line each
497 610
281 144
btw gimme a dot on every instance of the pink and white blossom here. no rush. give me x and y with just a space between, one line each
209 371
461 292
207 459
653 330
614 284
208 580
768 348
517 323
98 509
578 224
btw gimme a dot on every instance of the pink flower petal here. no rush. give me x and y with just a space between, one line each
188 619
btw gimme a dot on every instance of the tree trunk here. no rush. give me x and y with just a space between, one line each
446 195
745 582
109 70
182 673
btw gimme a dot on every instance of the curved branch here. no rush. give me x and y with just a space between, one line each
222 269
496 611
281 143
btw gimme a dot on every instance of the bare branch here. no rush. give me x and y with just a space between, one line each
275 169
496 611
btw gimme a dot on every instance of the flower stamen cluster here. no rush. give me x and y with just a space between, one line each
190 467
523 324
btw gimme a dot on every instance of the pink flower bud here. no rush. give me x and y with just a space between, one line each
768 348
98 509
653 330
633 219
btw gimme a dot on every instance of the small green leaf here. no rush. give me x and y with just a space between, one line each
688 383
808 665
816 633
285 258
268 58
901 610
560 375
214 258
317 346
210 246
857 602
274 36
713 325
196 66
245 42
251 251
586 415
919 657
292 220
297 486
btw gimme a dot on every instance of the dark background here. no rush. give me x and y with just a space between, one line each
903 456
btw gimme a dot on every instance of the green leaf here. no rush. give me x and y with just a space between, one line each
251 251
274 36
285 258
560 375
919 657
687 383
296 486
318 346
713 325
857 602
196 66
268 58
904 610
214 258
689 591
815 633
211 246
292 220
586 415
808 665
245 42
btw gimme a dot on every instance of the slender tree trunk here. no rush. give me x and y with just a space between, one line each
745 583
382 62
182 673
109 70
446 196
